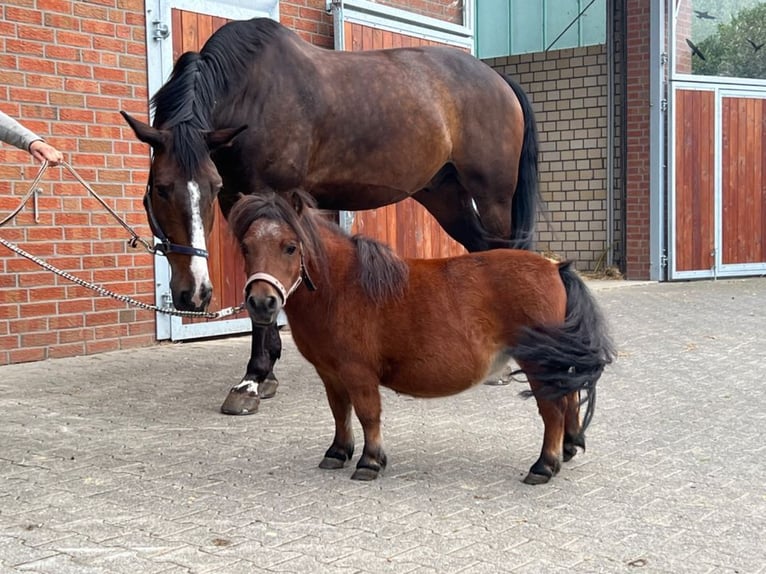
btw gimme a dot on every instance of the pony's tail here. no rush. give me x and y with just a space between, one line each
526 196
569 357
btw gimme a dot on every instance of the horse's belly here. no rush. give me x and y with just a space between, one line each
445 375
356 196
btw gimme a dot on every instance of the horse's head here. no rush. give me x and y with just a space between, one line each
179 205
278 238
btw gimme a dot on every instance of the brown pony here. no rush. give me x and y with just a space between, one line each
357 130
427 328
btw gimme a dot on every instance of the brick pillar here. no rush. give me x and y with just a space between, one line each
637 135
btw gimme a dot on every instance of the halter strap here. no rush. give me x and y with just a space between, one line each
274 282
303 276
165 246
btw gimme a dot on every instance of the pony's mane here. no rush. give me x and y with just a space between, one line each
381 273
184 104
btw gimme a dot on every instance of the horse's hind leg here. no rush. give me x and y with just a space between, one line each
259 381
573 434
451 206
553 413
342 447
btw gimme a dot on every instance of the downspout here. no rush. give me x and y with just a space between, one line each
610 135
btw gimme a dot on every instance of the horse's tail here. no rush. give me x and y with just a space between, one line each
526 196
569 357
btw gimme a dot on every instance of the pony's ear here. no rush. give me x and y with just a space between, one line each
145 132
221 138
297 200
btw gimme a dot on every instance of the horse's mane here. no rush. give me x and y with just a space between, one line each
381 273
185 103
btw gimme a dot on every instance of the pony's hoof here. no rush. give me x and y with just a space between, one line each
240 402
570 451
365 473
571 443
268 388
330 463
533 478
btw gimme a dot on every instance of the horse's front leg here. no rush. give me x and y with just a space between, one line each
553 415
342 447
259 381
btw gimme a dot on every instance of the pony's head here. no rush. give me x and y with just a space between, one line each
179 203
279 240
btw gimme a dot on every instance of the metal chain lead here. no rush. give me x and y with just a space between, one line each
97 288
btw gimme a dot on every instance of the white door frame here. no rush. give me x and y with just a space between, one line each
159 51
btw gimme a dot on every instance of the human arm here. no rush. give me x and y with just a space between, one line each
15 134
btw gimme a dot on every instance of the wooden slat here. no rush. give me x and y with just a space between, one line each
189 33
743 188
728 180
761 179
695 181
175 18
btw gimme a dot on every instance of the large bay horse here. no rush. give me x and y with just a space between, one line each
423 327
259 109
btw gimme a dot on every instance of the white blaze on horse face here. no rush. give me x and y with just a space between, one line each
198 265
266 229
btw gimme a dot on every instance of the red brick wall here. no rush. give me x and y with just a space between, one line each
67 68
310 19
637 138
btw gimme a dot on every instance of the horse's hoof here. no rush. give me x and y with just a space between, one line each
365 473
533 478
268 388
330 463
240 402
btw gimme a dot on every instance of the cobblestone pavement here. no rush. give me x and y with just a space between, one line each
121 462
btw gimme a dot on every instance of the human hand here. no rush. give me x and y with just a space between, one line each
43 151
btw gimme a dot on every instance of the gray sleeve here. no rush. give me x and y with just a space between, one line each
13 133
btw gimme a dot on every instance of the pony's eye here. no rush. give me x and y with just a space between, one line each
290 249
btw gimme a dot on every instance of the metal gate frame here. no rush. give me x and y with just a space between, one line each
159 51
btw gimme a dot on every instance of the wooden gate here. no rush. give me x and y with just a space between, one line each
718 204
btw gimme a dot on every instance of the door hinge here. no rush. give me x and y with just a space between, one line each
664 260
160 30
664 105
663 59
166 300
